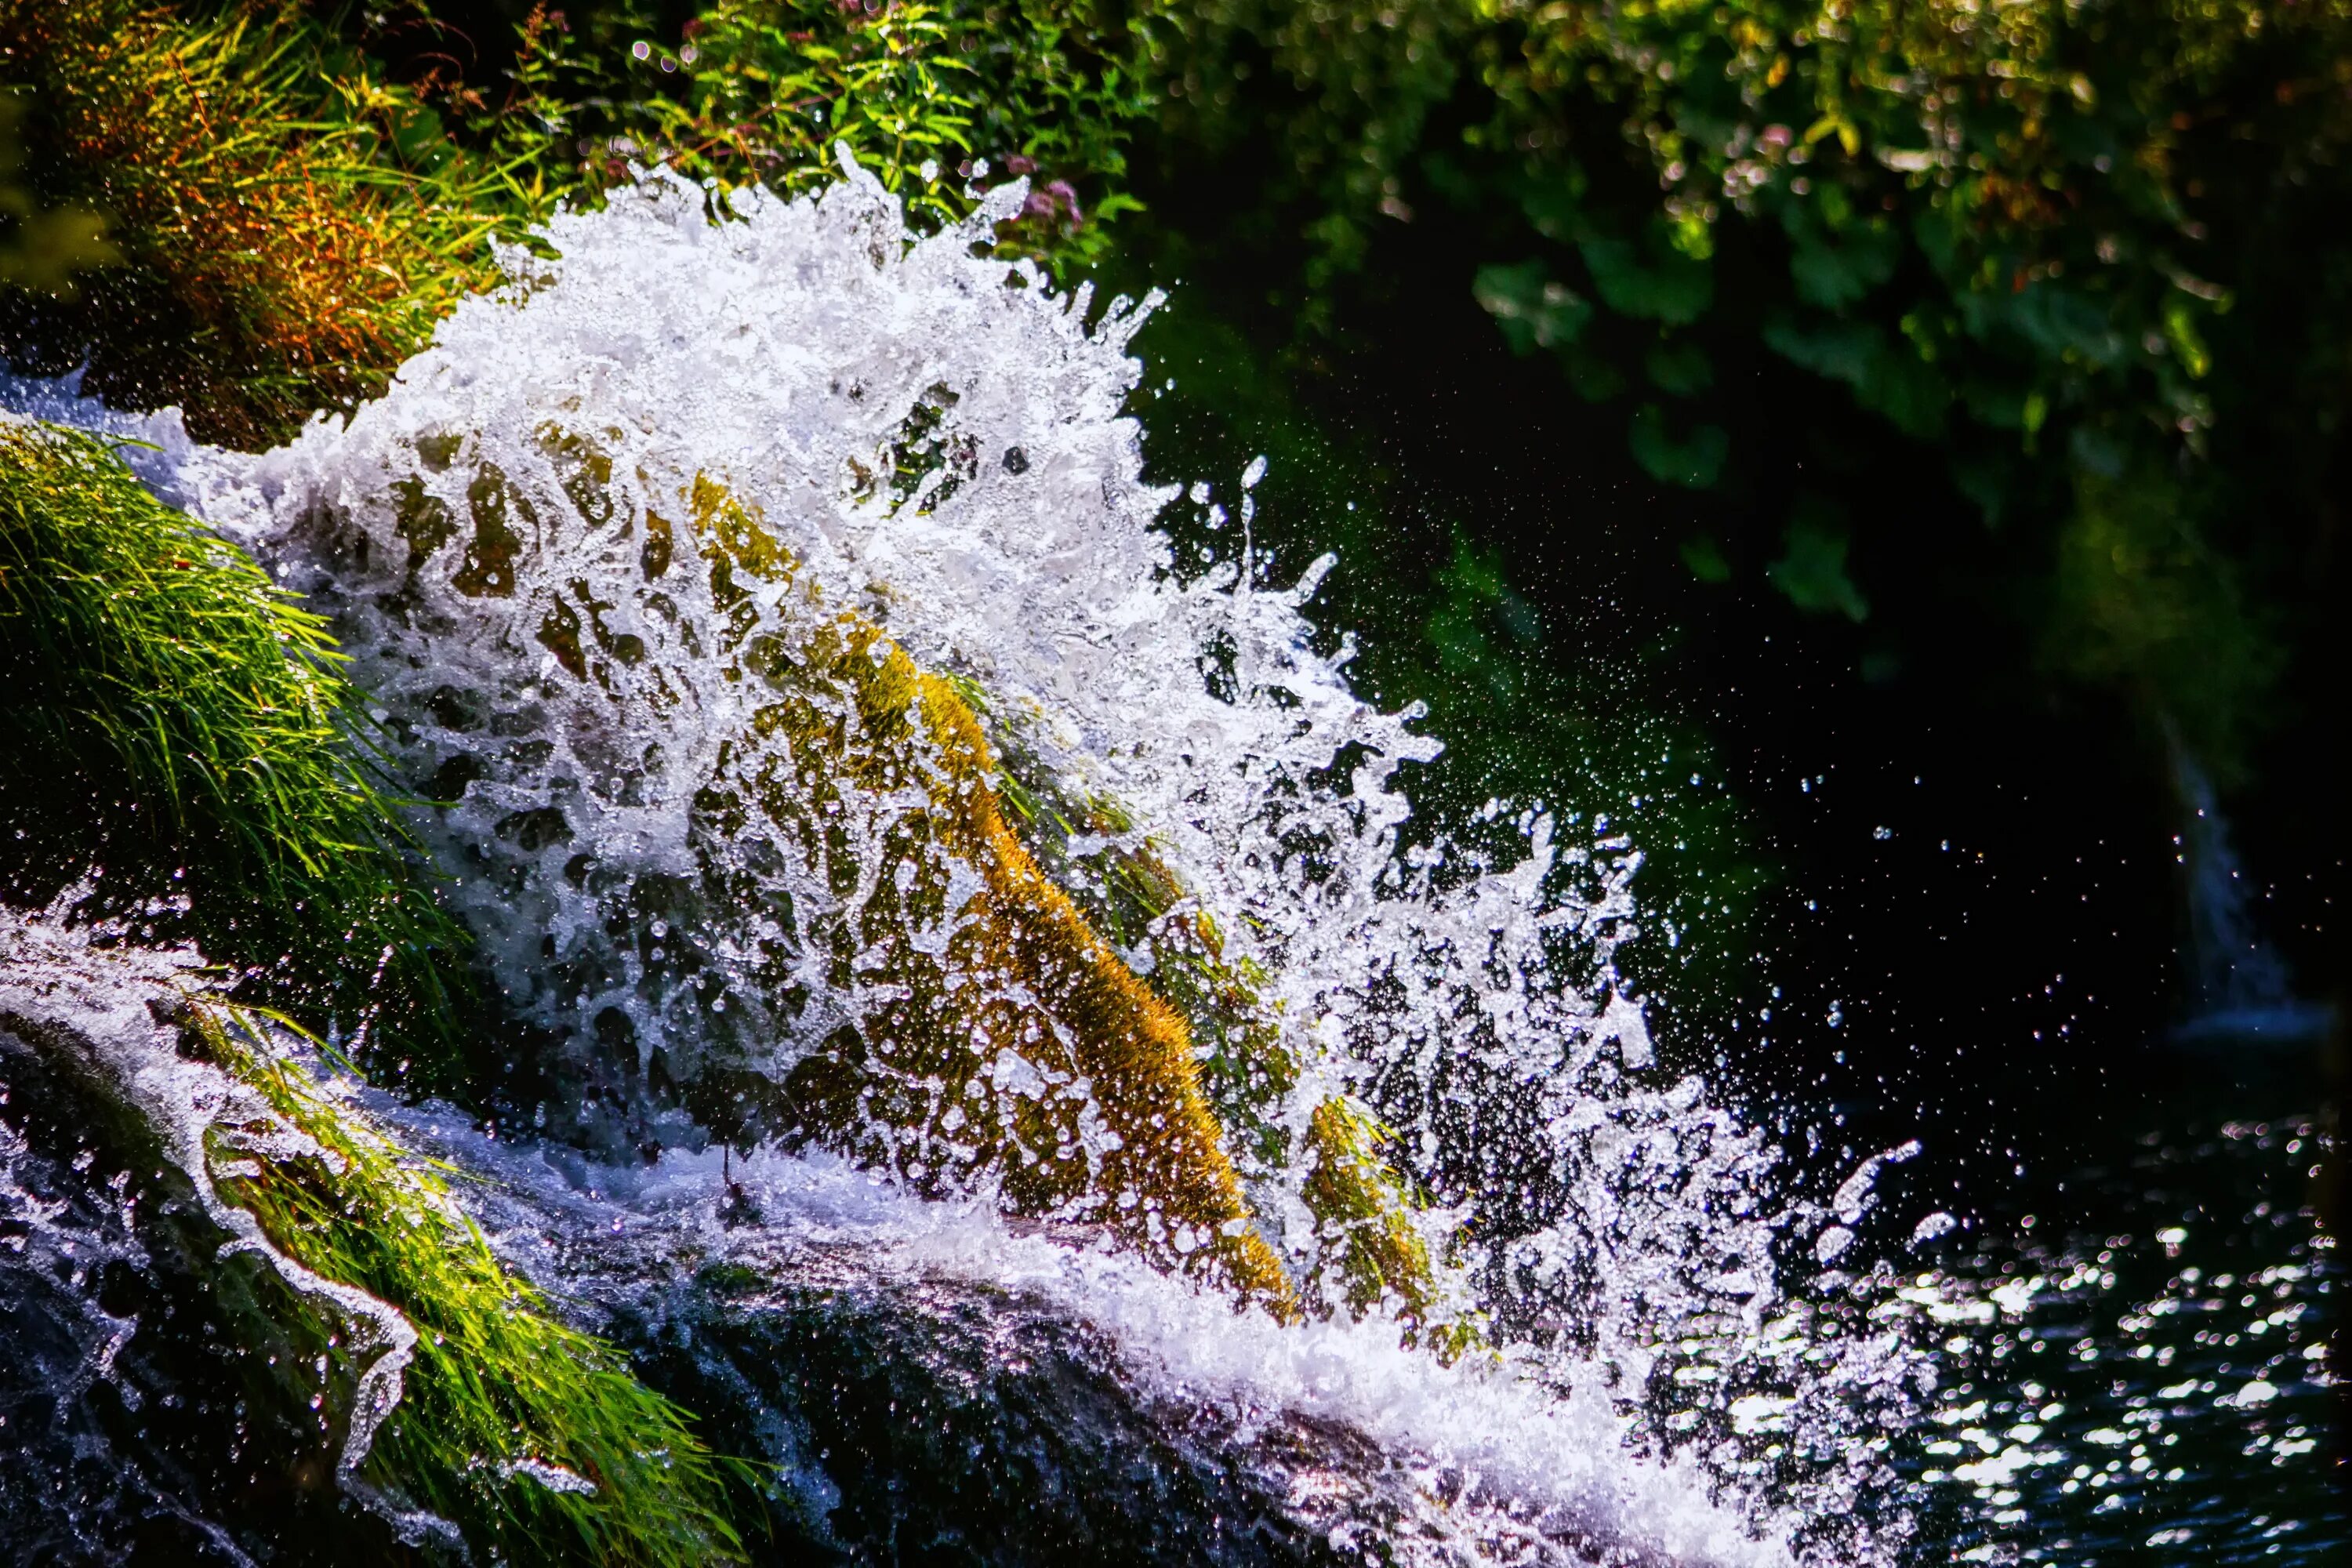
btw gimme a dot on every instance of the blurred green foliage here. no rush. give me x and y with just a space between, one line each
2015 238
41 249
2151 605
1529 712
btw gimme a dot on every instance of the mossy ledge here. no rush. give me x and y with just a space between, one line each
833 934
926 1086
534 1436
175 715
228 757
470 1406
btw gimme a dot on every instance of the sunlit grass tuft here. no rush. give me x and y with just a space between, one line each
178 717
290 223
531 1436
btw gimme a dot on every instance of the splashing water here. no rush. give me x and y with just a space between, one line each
109 1005
641 532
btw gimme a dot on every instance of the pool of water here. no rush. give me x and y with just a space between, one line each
2140 1373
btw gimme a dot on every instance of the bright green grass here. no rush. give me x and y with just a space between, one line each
497 1378
175 716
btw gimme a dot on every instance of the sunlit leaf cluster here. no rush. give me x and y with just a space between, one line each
935 97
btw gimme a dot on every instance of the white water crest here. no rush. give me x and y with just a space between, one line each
939 441
107 1007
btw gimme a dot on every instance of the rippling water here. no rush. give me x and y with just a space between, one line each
2160 1391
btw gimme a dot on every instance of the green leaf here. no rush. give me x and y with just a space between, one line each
1691 235
2058 320
1555 207
1811 569
1592 378
1888 376
2180 331
1679 370
1534 308
1671 287
1835 272
1480 620
2002 405
1694 463
1706 559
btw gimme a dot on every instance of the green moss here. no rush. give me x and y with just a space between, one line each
498 1380
175 715
1108 1118
1371 1246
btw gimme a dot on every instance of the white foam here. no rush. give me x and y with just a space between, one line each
1501 1419
156 447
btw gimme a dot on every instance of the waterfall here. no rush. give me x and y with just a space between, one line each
2238 987
702 578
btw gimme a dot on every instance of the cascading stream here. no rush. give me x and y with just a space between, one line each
770 607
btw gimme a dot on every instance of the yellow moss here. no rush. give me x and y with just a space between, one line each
1126 891
1005 1035
1364 1219
1369 1241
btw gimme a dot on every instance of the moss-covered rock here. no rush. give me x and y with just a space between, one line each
922 1086
460 1400
985 1026
995 1033
534 1438
751 861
